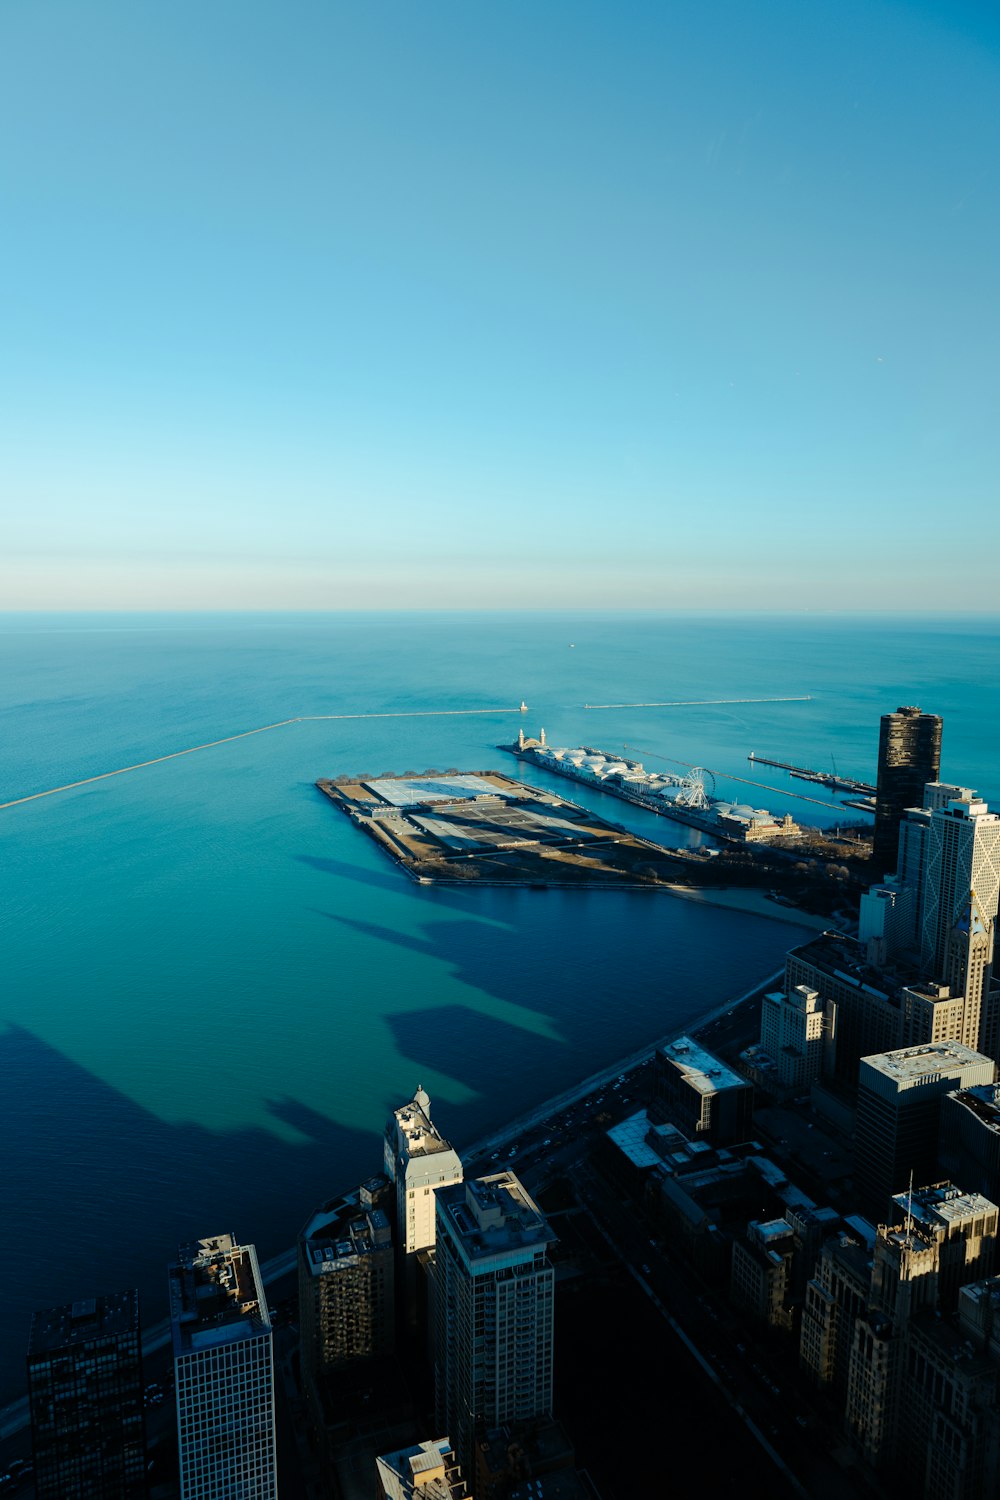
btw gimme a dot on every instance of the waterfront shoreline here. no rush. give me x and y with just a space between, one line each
15 1417
754 902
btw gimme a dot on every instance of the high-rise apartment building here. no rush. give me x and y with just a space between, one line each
419 1161
909 755
938 913
791 1033
927 932
346 1277
898 1116
86 1400
223 1370
493 1307
892 909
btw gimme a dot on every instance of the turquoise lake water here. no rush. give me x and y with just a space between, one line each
214 988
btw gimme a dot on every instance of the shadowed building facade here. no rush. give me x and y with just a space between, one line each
346 1278
909 755
970 1138
917 1383
85 1396
493 1308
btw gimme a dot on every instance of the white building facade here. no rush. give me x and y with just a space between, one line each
791 1033
493 1301
223 1370
420 1162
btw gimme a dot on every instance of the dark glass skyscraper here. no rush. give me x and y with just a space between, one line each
85 1393
909 755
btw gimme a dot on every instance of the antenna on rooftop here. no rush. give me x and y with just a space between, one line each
909 1207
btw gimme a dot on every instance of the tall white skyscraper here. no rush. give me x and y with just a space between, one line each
938 912
224 1373
493 1306
960 882
419 1161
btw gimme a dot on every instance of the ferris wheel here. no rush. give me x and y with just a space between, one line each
696 789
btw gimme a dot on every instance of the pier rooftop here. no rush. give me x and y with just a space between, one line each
460 826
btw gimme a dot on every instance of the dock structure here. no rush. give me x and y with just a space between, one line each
819 778
681 797
458 827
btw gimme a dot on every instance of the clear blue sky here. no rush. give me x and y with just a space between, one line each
320 304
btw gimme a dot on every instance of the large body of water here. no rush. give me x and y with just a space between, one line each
214 988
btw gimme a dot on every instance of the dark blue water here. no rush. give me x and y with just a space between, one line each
214 988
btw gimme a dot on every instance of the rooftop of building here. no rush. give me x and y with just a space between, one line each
951 1342
347 1227
643 1143
943 1204
924 1062
346 1242
942 800
986 1291
428 1470
649 1145
983 1100
494 1214
771 1232
904 1237
565 1484
853 1252
927 989
76 1323
742 812
539 1443
414 1130
845 958
799 997
701 1069
216 1294
861 1228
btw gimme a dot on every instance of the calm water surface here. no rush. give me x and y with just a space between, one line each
214 988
